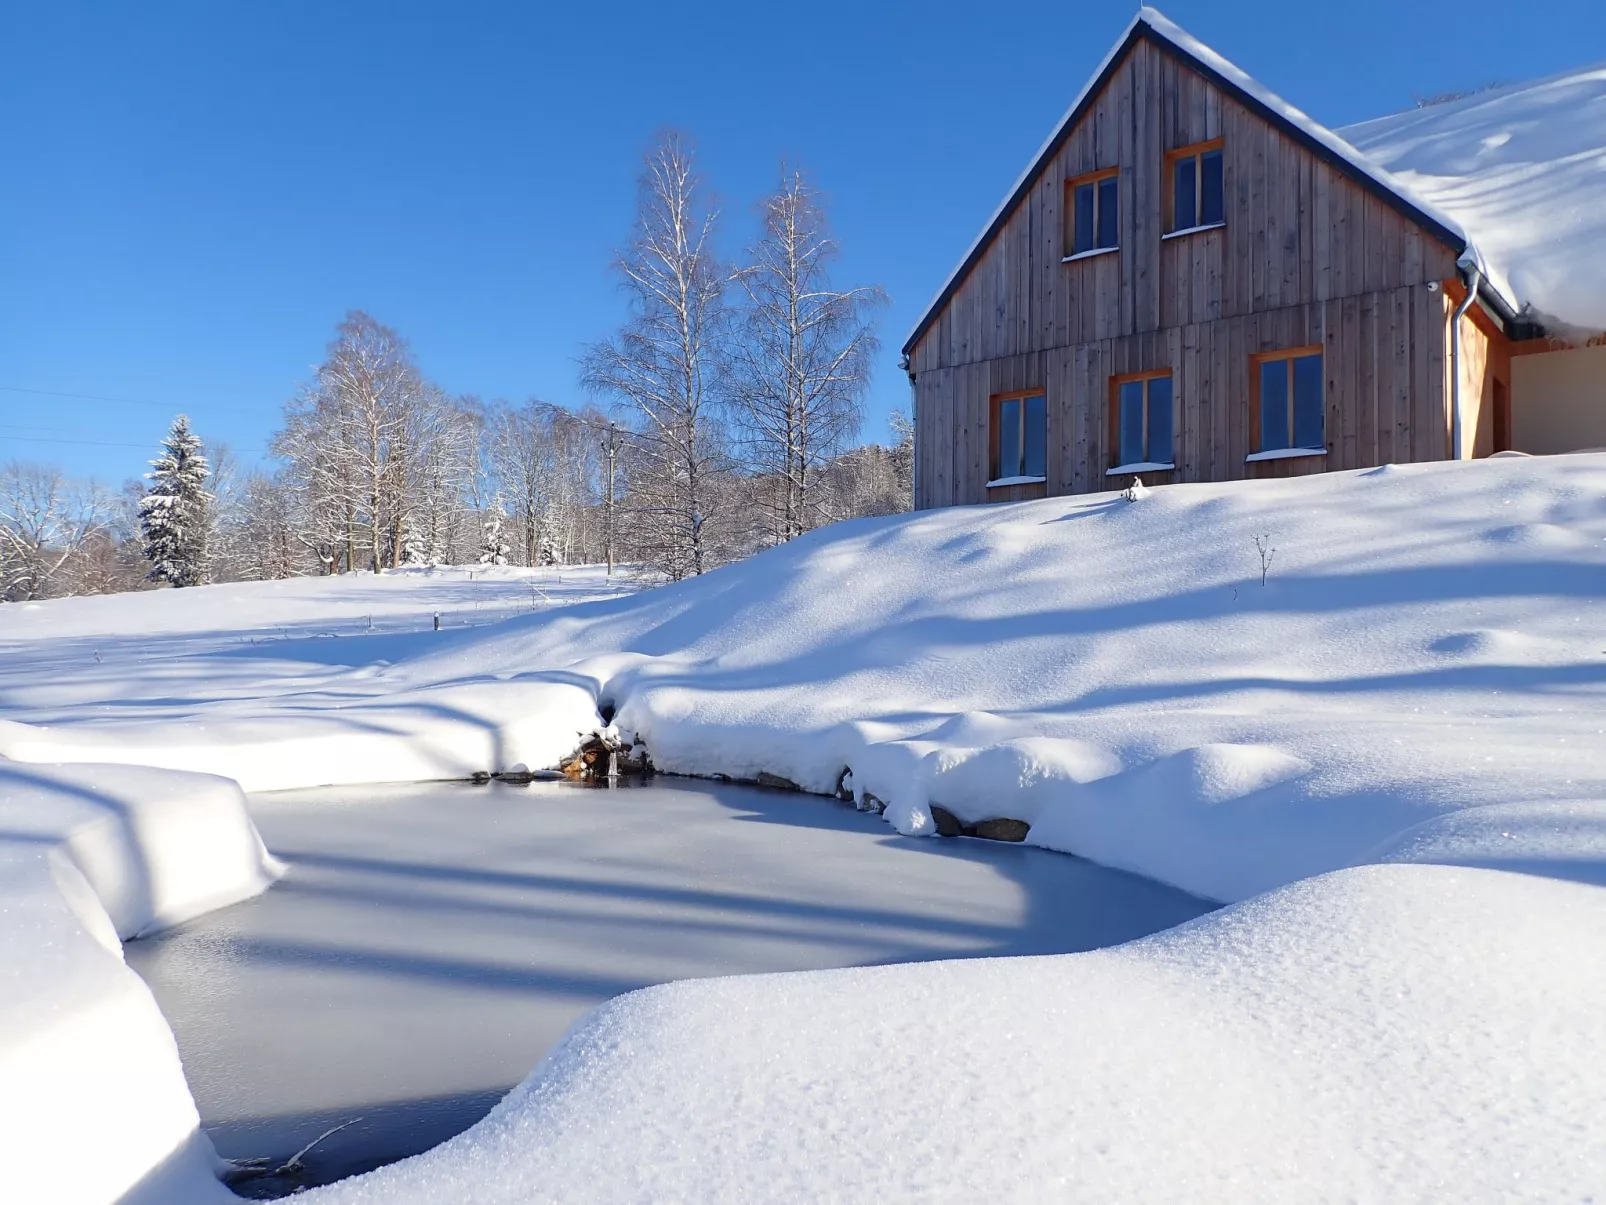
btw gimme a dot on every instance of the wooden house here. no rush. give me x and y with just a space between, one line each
1193 281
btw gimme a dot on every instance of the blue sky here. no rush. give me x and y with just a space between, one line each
195 193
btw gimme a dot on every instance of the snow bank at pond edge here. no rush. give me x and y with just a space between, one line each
1382 1033
446 730
94 1106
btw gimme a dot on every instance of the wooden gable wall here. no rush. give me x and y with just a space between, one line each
1307 256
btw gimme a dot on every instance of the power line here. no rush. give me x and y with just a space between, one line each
122 401
89 443
101 443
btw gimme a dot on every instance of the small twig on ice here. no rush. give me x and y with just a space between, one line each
293 1164
261 1167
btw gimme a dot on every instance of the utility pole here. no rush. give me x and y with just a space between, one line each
611 447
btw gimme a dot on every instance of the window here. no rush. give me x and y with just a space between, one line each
1141 420
1020 437
1287 411
1197 199
1093 212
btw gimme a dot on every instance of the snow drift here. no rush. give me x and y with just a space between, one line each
1425 640
1307 688
1120 674
94 1107
1523 169
1400 1033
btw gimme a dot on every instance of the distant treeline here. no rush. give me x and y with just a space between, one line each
723 420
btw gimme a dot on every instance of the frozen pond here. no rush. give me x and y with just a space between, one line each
432 941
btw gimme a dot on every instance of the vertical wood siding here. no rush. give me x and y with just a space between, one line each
1306 257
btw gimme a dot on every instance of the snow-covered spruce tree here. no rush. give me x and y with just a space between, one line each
175 513
494 548
415 544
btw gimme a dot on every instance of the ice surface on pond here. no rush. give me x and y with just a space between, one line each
431 942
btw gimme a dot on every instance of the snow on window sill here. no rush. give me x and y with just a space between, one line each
1140 466
1193 230
1016 481
1071 259
1284 454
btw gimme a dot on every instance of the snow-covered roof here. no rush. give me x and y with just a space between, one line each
1440 210
1523 169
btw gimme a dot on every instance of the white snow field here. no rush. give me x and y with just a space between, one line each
263 681
1385 1033
1415 677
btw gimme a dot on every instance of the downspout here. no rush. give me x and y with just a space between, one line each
1472 275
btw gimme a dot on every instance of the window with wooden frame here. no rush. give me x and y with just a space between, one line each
1197 199
1019 438
1287 411
1142 419
1093 212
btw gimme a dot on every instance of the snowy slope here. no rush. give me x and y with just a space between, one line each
1419 677
157 651
1523 170
93 1103
253 680
1400 1033
1426 640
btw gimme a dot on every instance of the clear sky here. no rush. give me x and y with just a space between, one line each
194 193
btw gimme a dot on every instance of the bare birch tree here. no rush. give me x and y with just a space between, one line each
522 453
801 363
662 365
353 438
46 523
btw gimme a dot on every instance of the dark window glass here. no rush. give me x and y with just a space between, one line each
1186 214
1109 213
1159 442
1211 207
1131 422
1273 405
1084 219
1034 457
1308 402
1009 437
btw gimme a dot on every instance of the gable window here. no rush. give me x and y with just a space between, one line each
1019 438
1093 212
1197 197
1287 411
1141 422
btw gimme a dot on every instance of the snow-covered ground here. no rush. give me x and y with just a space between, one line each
159 653
270 682
1418 675
93 1103
1387 1033
1426 640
